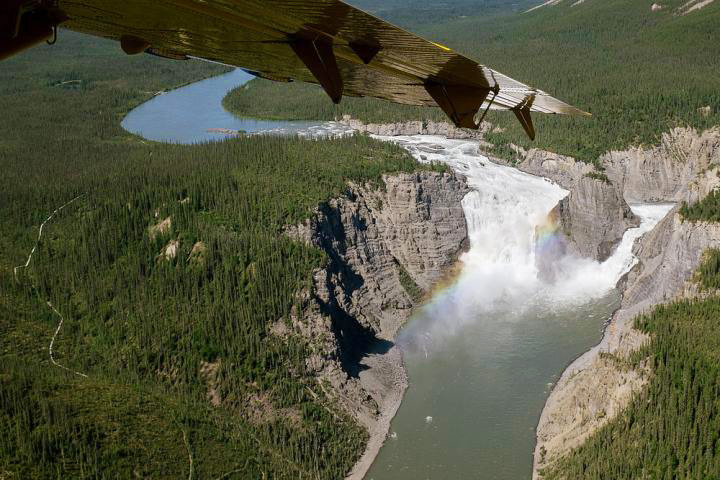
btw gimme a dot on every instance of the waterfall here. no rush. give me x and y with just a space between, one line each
516 259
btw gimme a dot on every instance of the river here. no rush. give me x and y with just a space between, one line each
194 113
483 354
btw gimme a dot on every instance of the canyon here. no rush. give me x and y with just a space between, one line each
593 217
383 245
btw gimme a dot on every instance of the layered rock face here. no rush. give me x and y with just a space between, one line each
594 217
381 242
671 171
594 389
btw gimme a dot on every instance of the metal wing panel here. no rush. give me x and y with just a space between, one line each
257 35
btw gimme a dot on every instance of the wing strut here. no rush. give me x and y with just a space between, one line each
319 58
460 103
522 112
23 24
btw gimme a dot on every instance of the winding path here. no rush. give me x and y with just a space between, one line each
62 319
42 225
52 342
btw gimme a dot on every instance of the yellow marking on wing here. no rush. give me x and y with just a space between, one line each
442 46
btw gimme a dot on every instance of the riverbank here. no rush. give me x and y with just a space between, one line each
384 245
676 170
501 268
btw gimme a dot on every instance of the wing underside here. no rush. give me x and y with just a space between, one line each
347 51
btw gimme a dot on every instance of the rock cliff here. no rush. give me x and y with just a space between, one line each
383 245
594 215
595 388
675 170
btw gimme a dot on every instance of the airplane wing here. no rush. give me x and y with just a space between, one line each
345 50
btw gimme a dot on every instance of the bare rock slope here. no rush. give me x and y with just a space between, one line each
416 128
675 170
384 244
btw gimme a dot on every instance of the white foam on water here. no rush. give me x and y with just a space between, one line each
587 279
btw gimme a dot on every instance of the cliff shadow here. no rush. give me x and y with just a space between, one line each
355 341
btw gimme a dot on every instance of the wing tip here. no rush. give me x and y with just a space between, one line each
580 113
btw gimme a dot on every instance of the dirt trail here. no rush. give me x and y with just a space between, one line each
190 457
62 319
52 342
32 252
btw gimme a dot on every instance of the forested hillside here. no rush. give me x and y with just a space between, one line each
707 209
672 429
640 72
412 13
167 272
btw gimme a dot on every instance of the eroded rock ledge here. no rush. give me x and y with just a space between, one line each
384 244
443 129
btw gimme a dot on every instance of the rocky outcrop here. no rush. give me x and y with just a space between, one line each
596 387
561 169
443 129
594 215
160 228
377 241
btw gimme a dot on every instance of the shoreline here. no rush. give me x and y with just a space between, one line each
587 375
380 428
393 359
381 431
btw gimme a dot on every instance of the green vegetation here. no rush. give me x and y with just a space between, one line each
672 429
303 101
409 284
158 338
413 13
599 176
707 209
639 72
708 273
